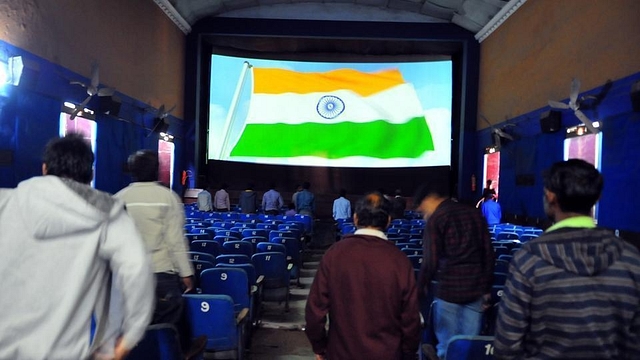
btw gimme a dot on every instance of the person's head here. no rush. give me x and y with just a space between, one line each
489 182
250 186
398 192
272 185
306 185
429 196
143 165
223 186
372 211
69 157
571 186
343 192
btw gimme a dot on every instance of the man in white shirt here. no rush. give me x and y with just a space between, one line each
342 206
204 200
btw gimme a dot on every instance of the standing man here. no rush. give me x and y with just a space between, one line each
491 210
398 205
159 216
305 201
272 201
60 241
248 200
342 207
459 256
367 288
221 200
574 292
204 200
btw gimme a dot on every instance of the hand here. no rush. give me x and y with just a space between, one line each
320 357
486 302
188 284
121 351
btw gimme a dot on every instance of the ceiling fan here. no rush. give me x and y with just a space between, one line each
92 89
574 104
499 133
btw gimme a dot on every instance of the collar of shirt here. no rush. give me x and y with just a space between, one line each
573 222
372 232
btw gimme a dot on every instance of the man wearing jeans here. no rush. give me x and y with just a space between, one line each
159 216
459 256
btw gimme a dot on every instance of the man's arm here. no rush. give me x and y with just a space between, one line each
124 248
513 316
335 208
429 257
317 308
280 202
410 316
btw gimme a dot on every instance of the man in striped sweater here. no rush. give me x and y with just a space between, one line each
574 292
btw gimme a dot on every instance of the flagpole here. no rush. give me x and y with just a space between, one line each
232 108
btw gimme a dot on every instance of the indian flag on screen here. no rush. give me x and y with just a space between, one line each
333 115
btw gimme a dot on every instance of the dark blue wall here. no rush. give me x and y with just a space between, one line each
29 117
534 152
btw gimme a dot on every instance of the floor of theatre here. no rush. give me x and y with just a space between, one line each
281 335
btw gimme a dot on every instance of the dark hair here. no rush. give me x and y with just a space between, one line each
272 185
69 157
373 211
224 186
143 165
250 186
343 192
306 185
439 189
576 183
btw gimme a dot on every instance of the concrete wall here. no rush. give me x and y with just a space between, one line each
140 51
532 57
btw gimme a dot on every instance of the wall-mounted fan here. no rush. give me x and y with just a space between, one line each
499 134
92 89
575 104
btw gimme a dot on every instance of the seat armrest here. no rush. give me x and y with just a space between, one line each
259 279
242 315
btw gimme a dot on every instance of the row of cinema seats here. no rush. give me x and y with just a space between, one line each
241 261
501 232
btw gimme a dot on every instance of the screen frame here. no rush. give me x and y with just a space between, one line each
255 38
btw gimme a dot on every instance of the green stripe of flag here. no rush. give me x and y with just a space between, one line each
378 139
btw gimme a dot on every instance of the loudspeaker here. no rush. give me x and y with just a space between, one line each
635 96
550 121
110 105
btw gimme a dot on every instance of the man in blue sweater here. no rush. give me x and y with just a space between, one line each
574 292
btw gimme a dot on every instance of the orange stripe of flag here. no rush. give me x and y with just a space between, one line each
277 81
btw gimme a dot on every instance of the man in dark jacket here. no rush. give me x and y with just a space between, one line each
367 287
574 292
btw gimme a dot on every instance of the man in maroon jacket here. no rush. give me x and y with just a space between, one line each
367 287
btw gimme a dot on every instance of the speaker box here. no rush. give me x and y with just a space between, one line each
110 105
550 121
635 96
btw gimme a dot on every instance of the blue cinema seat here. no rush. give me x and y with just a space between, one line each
214 317
273 267
465 347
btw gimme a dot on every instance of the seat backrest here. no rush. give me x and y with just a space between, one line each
254 240
191 237
229 233
502 266
214 317
199 266
227 281
238 247
206 246
196 255
255 232
267 226
465 347
412 251
160 342
248 268
292 248
233 259
273 266
269 246
416 261
499 278
281 233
